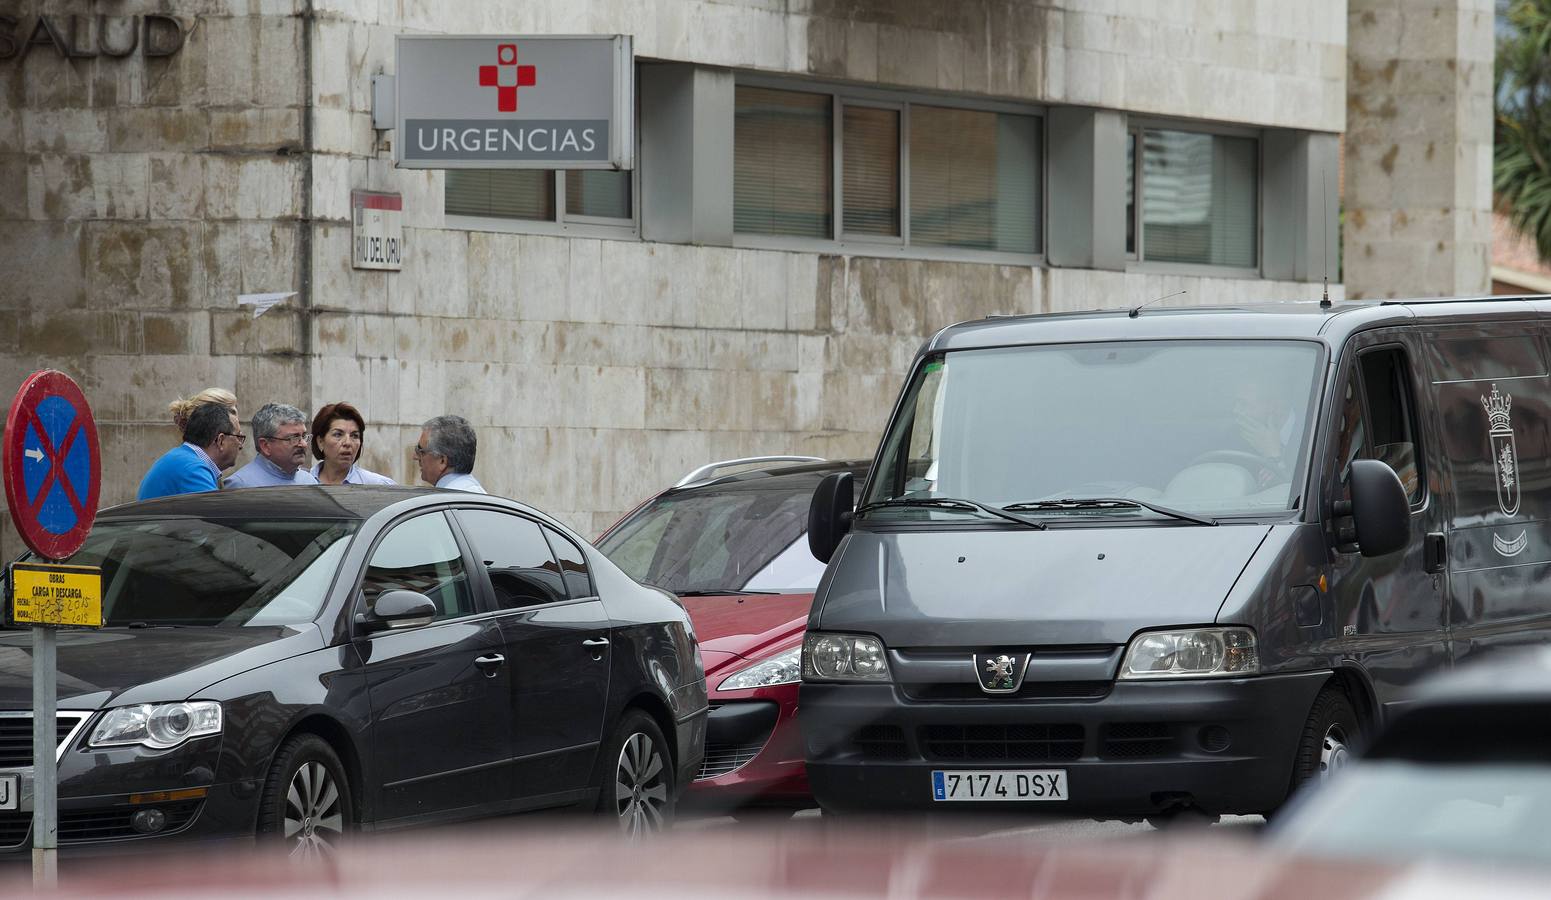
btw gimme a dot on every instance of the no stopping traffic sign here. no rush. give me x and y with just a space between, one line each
52 464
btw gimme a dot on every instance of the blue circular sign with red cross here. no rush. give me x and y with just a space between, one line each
52 464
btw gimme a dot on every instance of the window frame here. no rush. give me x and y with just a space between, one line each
356 602
1137 261
839 242
486 589
1408 412
564 225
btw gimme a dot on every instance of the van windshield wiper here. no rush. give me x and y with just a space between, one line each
951 503
1113 503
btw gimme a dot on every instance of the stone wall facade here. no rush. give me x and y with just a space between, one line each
1419 148
140 195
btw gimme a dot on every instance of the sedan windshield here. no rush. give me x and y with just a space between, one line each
1204 428
719 542
220 572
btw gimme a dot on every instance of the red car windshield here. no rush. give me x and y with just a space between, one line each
719 541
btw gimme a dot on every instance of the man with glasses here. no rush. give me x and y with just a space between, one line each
280 434
211 440
445 453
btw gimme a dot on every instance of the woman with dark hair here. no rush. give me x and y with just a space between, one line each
337 434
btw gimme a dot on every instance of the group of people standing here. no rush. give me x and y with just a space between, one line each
282 435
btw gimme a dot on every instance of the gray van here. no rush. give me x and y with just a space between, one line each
1130 564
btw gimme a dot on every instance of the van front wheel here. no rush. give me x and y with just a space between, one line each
1328 738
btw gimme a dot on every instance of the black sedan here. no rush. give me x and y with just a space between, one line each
299 662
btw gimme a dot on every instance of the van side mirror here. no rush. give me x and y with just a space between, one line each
398 609
1380 510
829 515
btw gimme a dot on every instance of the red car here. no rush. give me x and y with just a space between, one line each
734 549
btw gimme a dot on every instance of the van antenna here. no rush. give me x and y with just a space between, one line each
1136 311
1324 190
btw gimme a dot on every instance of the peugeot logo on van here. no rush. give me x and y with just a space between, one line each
1000 673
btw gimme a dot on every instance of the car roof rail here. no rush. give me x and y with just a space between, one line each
706 471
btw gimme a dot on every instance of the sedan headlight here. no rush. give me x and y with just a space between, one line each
1194 653
160 726
783 668
843 657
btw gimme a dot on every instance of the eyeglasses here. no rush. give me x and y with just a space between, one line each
293 439
424 451
241 438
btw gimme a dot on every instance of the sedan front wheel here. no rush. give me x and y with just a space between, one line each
306 804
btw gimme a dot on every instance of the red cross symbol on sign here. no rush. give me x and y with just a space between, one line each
506 76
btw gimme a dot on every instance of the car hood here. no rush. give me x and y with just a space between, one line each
118 666
747 624
1065 585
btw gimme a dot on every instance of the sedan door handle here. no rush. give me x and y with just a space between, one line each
490 664
596 642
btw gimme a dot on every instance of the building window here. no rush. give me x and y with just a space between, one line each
1199 198
911 174
870 181
587 197
974 179
782 173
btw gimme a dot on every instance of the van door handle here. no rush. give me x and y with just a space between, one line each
490 664
1435 553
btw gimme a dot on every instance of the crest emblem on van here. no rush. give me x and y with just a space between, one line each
1505 465
1505 450
1000 673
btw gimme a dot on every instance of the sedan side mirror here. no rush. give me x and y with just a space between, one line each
1380 510
398 609
829 515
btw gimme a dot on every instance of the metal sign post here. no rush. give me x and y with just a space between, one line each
53 476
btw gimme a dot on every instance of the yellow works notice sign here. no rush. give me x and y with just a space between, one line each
56 595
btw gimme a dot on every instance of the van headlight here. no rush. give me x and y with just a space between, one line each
843 657
160 726
1192 653
783 668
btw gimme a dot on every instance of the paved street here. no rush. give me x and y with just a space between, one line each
1045 831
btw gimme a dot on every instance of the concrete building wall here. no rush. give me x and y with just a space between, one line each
1419 148
140 196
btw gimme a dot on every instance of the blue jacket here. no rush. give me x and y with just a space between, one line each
181 470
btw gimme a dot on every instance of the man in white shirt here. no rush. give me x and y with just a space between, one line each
445 453
280 431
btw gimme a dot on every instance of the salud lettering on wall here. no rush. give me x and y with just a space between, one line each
86 37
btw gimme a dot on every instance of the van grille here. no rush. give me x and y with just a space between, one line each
1137 740
880 742
1031 690
992 743
16 735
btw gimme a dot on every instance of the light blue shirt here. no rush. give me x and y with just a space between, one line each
263 473
356 475
461 481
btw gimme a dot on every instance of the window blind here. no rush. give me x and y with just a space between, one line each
597 192
782 175
974 179
870 166
501 193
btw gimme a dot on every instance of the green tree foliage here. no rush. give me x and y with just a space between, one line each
1521 166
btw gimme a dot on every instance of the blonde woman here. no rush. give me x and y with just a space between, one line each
180 409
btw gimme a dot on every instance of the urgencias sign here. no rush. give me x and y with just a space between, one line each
85 37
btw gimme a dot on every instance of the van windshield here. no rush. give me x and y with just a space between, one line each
1204 427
